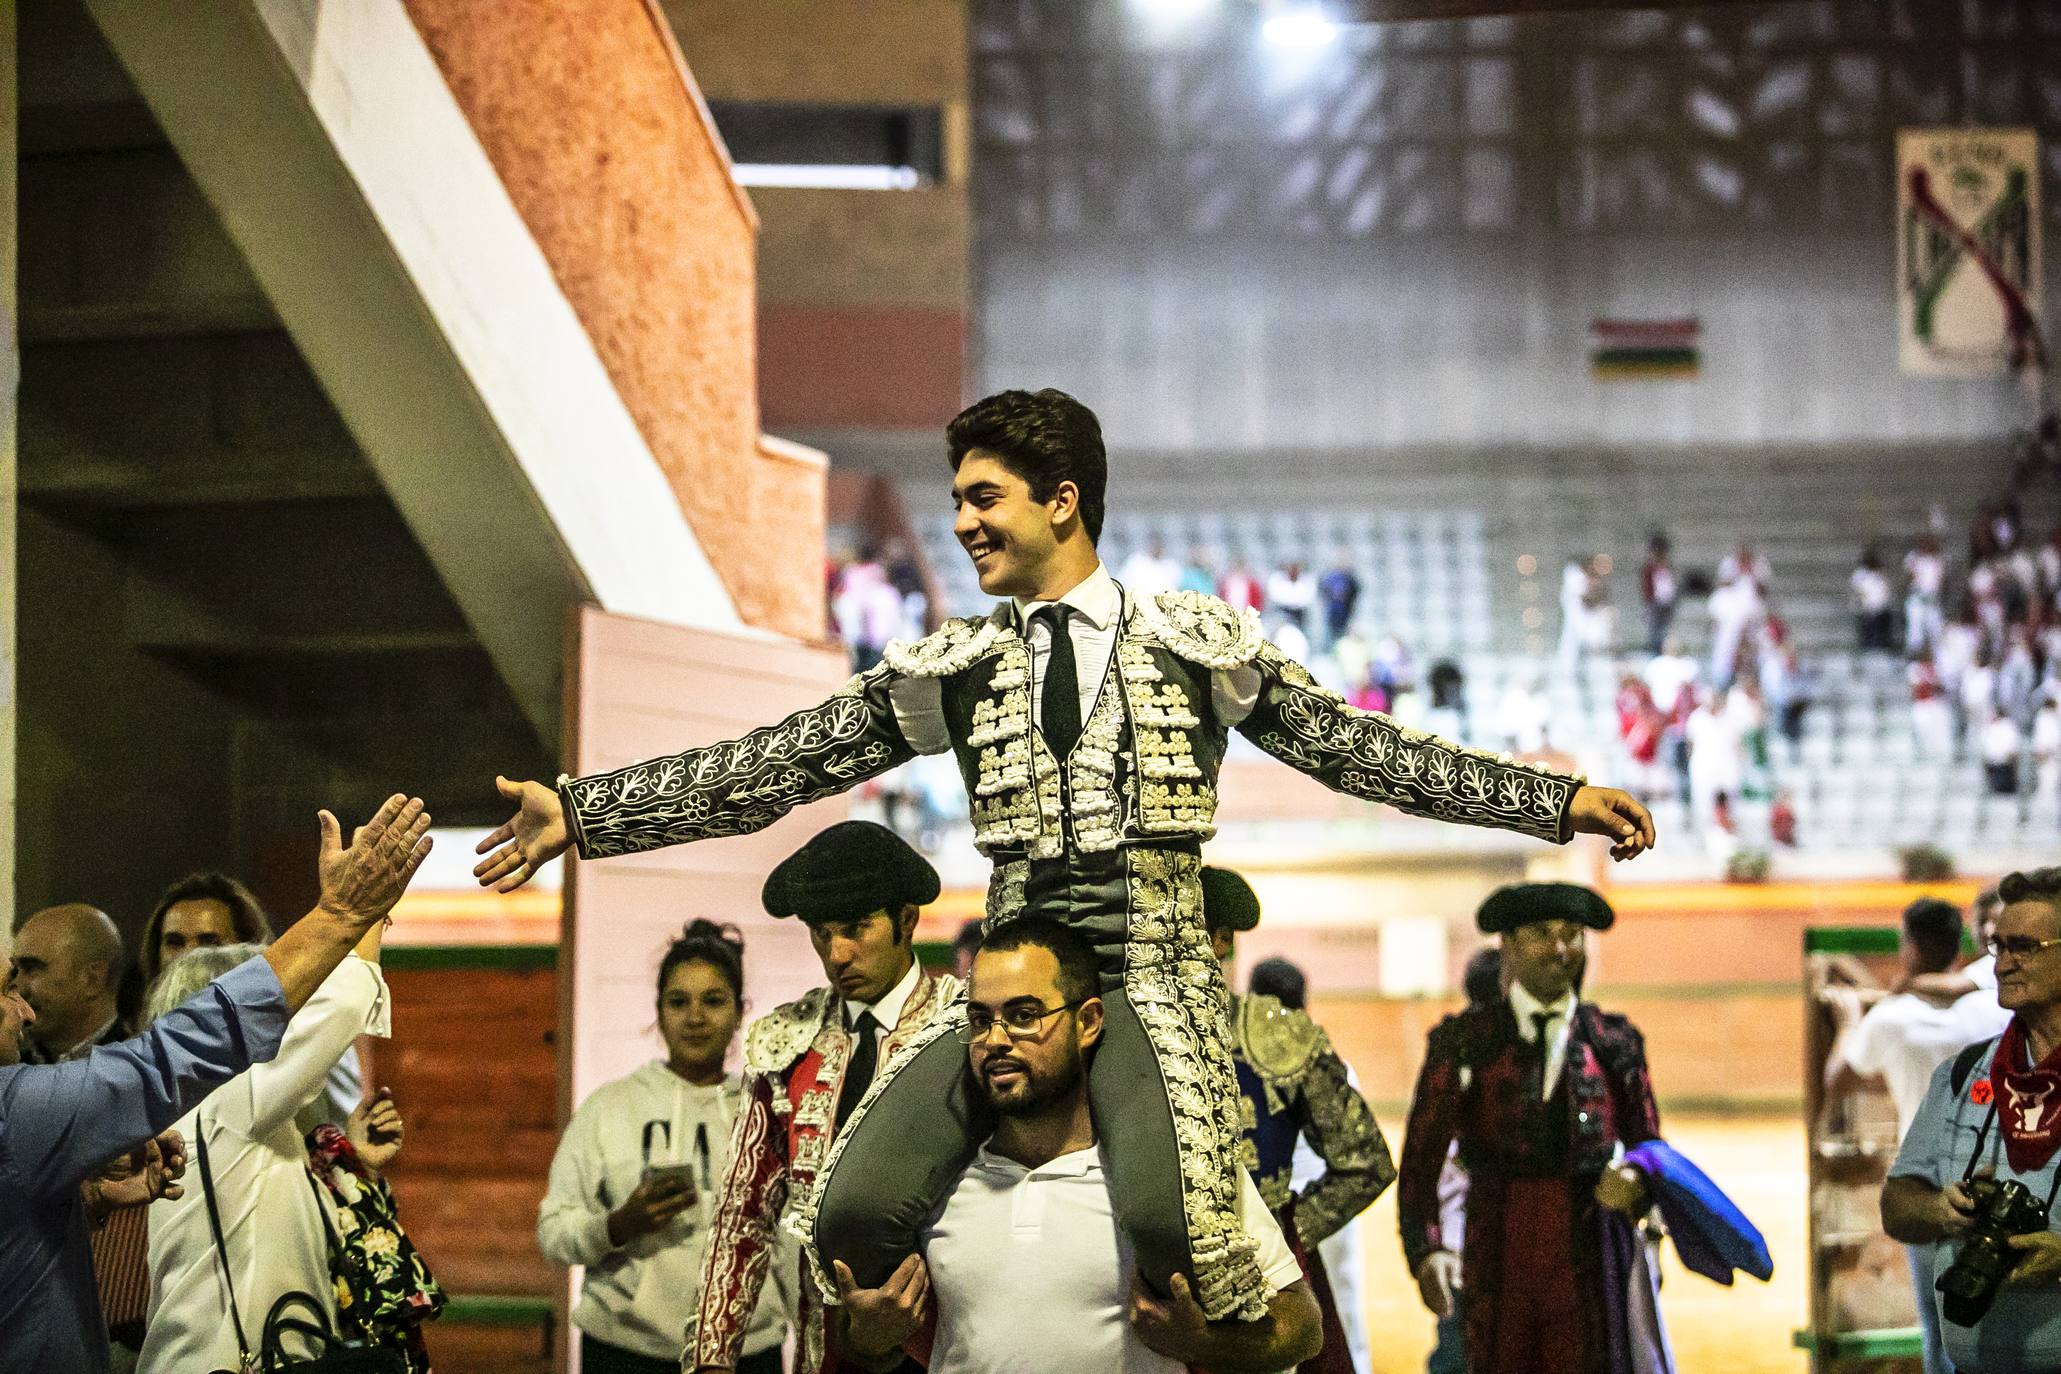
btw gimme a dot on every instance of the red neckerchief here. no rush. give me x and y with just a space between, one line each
2028 1101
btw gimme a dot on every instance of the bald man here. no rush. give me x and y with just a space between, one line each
68 961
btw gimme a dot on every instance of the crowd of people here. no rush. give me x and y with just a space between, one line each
107 1258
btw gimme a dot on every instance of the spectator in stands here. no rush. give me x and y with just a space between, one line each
1339 590
1197 573
1716 733
1291 592
905 575
1370 696
1874 607
1241 588
2046 749
1986 592
1932 715
1448 713
1148 571
199 910
2018 677
2049 561
61 1122
1639 729
1790 689
1577 586
868 609
1960 642
1658 588
245 1140
206 909
385 1291
68 964
2002 742
1901 1040
1393 666
1744 562
1355 658
1924 594
639 1171
965 945
1521 716
1735 609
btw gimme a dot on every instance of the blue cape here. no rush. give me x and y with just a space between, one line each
1711 1234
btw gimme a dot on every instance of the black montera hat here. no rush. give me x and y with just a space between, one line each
853 869
1228 901
1523 904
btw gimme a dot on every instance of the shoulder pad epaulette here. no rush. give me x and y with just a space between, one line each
1279 1043
1203 629
784 1034
953 647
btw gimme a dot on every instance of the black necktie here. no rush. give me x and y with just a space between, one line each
1060 701
858 1070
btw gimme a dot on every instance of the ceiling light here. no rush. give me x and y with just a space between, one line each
1303 26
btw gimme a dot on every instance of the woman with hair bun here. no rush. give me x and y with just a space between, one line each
638 1174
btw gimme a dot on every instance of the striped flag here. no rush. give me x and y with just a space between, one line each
1644 350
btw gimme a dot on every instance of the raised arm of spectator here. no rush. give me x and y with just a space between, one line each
351 1002
66 1120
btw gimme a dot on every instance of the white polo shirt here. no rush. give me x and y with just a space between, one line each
1031 1273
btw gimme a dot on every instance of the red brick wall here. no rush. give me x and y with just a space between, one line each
598 133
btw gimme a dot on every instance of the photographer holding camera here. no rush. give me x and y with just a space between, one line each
1978 1170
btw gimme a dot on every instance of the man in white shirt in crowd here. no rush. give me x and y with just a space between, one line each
1903 1038
1025 1259
1148 571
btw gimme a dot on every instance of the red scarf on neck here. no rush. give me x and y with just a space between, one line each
2028 1101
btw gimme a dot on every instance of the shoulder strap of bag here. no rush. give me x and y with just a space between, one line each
207 1187
1965 1062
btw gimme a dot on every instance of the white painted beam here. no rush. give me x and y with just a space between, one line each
326 139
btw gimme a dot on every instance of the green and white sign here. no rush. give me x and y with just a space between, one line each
1968 251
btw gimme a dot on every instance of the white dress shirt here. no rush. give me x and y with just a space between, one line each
1097 603
271 1227
1031 1272
1562 1013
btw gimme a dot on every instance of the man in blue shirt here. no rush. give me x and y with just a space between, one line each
1996 1109
59 1123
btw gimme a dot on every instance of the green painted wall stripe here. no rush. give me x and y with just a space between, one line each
498 1309
1850 940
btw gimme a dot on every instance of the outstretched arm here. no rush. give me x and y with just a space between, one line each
730 788
1366 754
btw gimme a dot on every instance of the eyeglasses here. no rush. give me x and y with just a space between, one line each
1021 1020
2017 946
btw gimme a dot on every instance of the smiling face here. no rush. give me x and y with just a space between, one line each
698 1016
1012 537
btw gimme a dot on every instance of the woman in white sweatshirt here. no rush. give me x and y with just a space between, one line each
634 1183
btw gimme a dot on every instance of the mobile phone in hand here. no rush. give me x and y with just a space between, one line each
673 1178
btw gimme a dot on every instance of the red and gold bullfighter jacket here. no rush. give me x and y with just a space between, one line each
794 1060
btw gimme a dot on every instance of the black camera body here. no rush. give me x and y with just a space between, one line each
2003 1209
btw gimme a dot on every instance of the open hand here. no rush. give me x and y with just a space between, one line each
376 1131
143 1175
1617 816
878 1320
533 837
361 884
1438 1281
1174 1326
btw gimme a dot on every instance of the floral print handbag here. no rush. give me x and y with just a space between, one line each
384 1290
